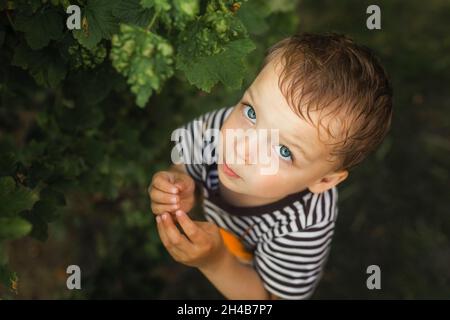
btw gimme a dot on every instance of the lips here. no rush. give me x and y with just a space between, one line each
228 171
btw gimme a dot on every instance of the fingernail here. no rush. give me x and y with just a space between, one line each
179 213
158 219
164 217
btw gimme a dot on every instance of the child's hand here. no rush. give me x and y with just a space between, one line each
171 191
203 246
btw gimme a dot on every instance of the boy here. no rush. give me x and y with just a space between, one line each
268 236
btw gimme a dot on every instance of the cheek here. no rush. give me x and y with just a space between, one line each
233 122
230 124
266 181
236 120
269 185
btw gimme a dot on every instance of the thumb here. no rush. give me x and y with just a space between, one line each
168 176
182 183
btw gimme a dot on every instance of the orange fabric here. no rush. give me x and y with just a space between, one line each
235 246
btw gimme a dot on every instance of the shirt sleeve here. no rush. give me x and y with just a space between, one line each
195 142
188 147
291 265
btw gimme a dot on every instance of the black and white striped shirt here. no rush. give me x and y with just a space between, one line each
290 238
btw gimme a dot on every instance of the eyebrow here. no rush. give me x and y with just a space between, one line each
299 150
291 144
250 92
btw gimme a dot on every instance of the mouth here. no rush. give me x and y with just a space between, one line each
228 171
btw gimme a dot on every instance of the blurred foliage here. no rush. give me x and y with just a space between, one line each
85 121
82 132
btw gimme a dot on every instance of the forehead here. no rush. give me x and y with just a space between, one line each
268 96
269 99
267 82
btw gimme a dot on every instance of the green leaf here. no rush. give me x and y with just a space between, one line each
27 7
282 5
158 5
131 12
212 49
92 150
40 28
52 196
14 199
39 229
183 12
49 204
79 57
98 23
174 13
13 228
7 276
93 86
46 210
45 66
227 67
78 120
70 166
188 8
144 58
7 163
253 14
40 170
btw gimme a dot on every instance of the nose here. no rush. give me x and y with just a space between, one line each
246 149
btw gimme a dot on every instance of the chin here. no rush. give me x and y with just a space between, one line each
228 183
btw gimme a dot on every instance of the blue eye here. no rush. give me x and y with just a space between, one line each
250 113
284 152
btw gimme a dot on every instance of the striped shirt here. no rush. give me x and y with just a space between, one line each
289 239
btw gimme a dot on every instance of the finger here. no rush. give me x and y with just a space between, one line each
163 197
193 232
173 251
174 236
164 182
162 233
159 209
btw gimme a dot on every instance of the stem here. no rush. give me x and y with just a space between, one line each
10 21
220 6
223 7
153 20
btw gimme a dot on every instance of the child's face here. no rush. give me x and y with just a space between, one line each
303 160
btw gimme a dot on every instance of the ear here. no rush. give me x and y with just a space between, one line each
328 181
